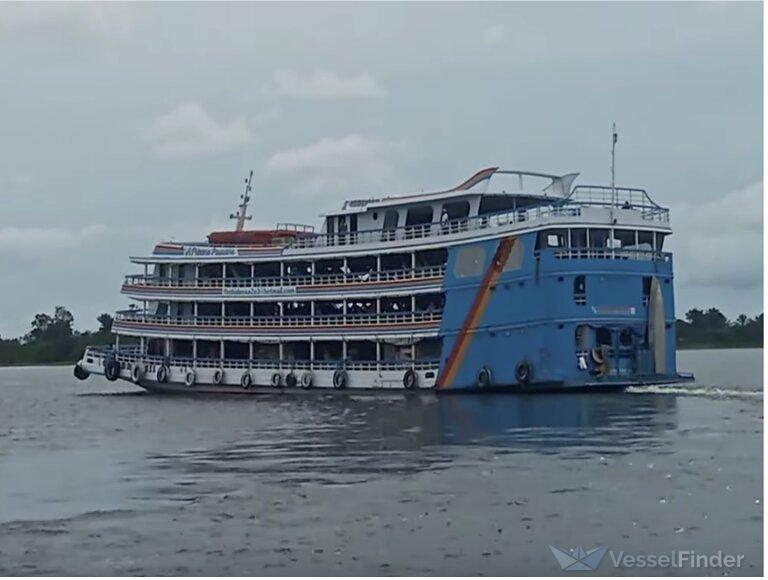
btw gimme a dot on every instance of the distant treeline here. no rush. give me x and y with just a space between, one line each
53 340
711 329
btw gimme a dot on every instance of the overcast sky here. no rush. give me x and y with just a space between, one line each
121 125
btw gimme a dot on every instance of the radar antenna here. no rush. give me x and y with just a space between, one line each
241 216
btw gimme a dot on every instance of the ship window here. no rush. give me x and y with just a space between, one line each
391 217
582 337
645 240
237 309
580 290
623 238
432 302
361 306
426 258
326 350
598 238
296 308
375 216
266 351
326 267
625 337
211 270
659 241
419 215
361 350
395 352
552 239
395 261
209 309
236 350
516 255
328 308
266 309
491 204
266 270
470 261
361 264
579 238
331 225
429 348
208 349
395 304
298 268
181 348
156 347
238 271
455 210
296 351
603 336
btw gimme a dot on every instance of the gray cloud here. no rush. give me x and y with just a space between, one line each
143 118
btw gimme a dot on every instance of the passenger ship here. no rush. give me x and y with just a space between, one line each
512 280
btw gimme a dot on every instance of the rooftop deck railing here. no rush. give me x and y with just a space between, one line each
288 281
333 320
570 206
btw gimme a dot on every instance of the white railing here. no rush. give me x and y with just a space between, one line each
135 316
128 357
434 229
619 197
139 280
608 254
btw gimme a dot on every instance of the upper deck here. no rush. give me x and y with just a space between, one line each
469 212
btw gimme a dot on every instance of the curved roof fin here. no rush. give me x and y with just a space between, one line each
561 186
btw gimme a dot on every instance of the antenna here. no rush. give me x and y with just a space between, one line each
241 216
613 165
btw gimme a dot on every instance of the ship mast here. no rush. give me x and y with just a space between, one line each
613 166
241 216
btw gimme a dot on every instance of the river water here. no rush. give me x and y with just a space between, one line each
100 478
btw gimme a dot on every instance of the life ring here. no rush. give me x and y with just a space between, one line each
218 376
276 379
137 372
340 379
597 355
484 378
162 374
291 380
80 373
189 378
246 381
306 380
112 370
523 372
410 379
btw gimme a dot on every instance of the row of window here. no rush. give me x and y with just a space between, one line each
352 265
352 350
599 238
432 302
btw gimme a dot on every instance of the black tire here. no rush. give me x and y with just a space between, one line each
189 378
80 373
246 381
276 380
523 372
340 379
112 370
290 380
484 378
137 373
306 380
162 374
218 376
410 379
597 356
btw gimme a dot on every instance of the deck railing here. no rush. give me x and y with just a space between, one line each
287 281
130 356
608 254
405 318
571 206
